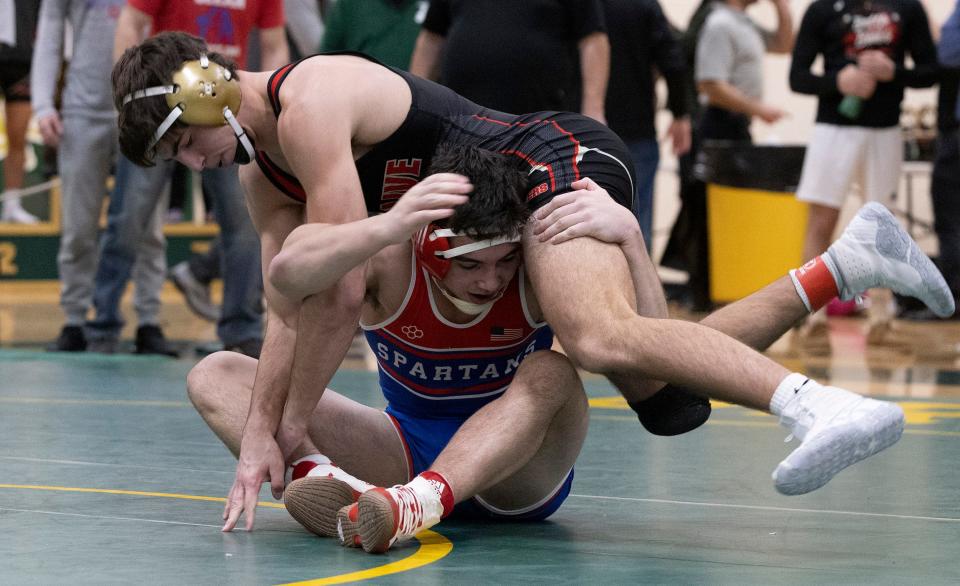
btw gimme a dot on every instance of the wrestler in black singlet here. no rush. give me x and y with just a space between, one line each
559 147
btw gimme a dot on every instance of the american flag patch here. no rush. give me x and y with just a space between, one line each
505 334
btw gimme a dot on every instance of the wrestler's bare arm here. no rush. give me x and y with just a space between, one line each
315 256
274 217
260 456
315 132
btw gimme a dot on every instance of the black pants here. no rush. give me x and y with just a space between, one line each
688 247
945 192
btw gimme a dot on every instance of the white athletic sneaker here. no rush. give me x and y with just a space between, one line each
15 214
837 428
875 251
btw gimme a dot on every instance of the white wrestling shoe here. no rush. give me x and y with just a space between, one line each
875 251
837 428
317 490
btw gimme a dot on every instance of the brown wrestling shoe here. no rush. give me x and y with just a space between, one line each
315 500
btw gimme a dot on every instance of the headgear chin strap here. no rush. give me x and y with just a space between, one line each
202 94
432 247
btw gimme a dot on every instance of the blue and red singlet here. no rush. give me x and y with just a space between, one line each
431 367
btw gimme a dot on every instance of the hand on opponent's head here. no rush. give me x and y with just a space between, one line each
433 199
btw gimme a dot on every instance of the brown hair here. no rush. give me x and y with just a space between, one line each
152 63
497 205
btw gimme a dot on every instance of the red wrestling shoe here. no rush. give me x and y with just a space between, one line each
384 516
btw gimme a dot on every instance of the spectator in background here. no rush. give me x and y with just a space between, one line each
383 29
138 191
518 56
685 249
945 182
642 44
84 132
945 186
729 68
729 76
16 48
304 26
949 50
857 136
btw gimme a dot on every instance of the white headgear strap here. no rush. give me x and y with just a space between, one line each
471 247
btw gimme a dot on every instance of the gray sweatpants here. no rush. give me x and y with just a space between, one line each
86 153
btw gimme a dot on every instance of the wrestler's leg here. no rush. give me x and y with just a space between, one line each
662 409
602 331
516 452
360 439
519 448
759 319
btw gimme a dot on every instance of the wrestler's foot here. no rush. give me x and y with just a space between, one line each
316 490
837 428
875 251
384 516
672 411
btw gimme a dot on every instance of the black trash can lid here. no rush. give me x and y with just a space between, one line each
750 166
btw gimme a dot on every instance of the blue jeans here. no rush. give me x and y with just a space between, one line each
646 158
133 201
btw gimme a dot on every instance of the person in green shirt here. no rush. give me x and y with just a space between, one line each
383 29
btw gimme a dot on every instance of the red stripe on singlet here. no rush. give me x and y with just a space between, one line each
411 472
274 86
282 180
533 162
576 149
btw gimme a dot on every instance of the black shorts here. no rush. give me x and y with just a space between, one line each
589 149
15 81
559 148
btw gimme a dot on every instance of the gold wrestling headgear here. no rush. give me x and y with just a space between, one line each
203 93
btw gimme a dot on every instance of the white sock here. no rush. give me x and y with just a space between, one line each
787 390
320 465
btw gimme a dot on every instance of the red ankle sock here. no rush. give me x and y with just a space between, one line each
443 489
814 283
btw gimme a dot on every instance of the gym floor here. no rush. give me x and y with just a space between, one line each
109 476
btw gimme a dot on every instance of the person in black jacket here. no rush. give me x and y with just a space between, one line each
518 57
641 45
857 137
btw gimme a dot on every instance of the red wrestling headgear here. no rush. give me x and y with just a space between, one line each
431 244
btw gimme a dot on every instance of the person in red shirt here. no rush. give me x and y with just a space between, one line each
132 222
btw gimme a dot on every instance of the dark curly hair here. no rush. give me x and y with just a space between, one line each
497 205
152 63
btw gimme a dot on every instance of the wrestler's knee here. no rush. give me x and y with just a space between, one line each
592 352
549 377
208 376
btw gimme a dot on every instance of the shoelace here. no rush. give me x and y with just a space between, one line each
410 511
805 419
802 422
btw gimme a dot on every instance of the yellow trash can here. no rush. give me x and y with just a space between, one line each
755 223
